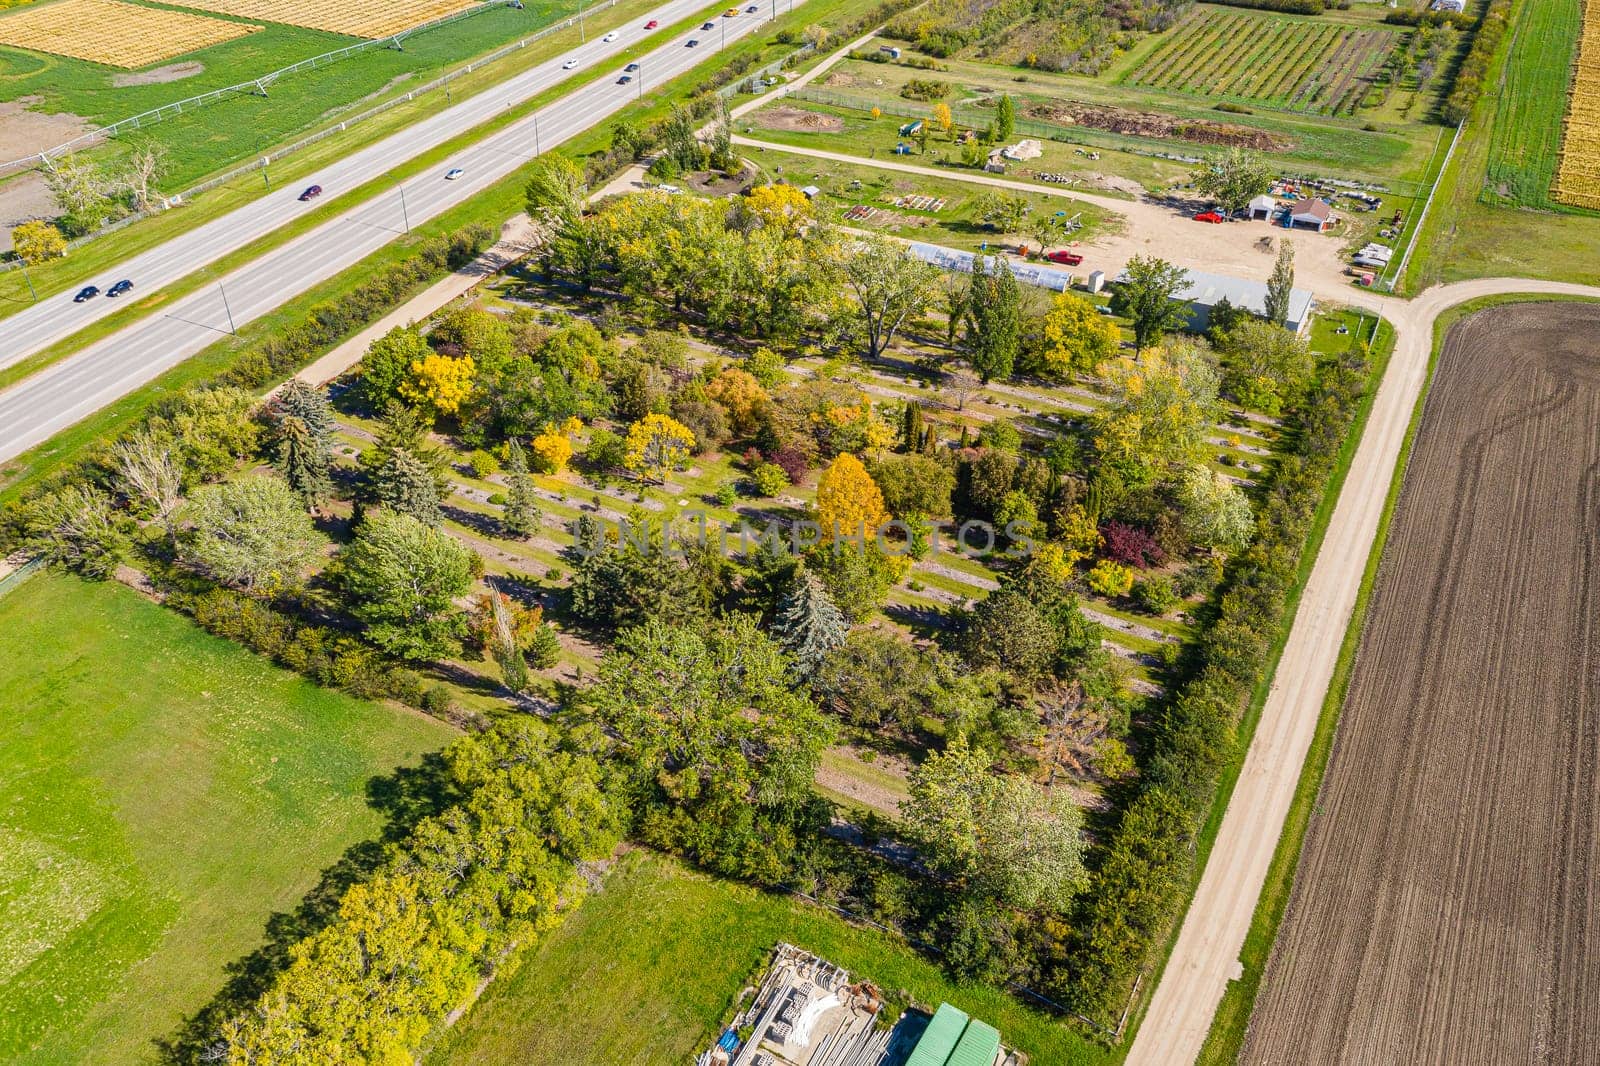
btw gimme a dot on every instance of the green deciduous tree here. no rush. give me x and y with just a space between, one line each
403 578
253 534
1234 178
76 527
1147 298
993 334
1216 512
890 285
1280 286
388 361
1161 407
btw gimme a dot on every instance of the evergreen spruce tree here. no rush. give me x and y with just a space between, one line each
809 625
310 405
521 515
303 459
406 484
543 647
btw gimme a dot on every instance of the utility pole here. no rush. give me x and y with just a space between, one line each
226 308
405 216
536 133
583 34
31 290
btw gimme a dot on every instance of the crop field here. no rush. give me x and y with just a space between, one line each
115 33
164 793
645 969
1578 179
1444 909
1303 65
358 18
1532 103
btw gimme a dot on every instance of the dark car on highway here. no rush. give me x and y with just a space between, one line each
630 68
625 79
311 193
709 26
692 43
88 292
119 288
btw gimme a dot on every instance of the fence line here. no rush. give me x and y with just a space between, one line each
1422 219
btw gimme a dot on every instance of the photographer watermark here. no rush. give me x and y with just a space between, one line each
917 538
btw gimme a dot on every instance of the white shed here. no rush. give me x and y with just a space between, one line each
1263 206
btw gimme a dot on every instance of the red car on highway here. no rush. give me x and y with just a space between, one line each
1209 216
652 24
1065 257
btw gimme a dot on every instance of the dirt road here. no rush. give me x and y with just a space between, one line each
1206 955
1445 912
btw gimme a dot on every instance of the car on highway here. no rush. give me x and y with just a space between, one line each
1213 217
608 38
751 10
88 292
625 79
311 193
652 24
708 25
692 43
453 173
119 288
631 68
569 64
730 13
1065 257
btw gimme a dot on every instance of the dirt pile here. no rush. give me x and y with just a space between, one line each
787 117
1150 124
1445 907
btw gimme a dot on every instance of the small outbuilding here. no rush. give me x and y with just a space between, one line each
1457 6
810 192
1263 206
1312 214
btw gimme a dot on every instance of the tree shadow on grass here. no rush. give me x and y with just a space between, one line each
405 797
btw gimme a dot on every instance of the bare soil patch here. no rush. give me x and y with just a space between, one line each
1151 124
1445 910
160 75
786 117
23 198
24 132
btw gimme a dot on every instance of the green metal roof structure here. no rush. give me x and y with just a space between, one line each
940 1038
978 1046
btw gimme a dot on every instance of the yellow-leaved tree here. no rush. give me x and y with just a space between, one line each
848 500
551 450
37 241
1078 338
657 445
782 206
741 395
942 118
439 383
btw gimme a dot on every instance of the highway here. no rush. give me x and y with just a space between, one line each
45 403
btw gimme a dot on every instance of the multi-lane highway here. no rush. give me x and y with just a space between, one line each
56 397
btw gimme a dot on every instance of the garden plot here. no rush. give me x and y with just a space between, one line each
1578 179
115 33
358 18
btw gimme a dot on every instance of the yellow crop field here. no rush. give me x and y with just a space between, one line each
358 18
114 33
1578 179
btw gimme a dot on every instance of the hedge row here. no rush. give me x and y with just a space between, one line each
1293 7
1141 886
1475 67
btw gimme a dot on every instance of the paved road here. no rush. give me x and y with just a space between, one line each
45 403
1206 955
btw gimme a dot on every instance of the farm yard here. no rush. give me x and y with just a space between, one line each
1305 65
114 33
1441 912
1578 179
165 792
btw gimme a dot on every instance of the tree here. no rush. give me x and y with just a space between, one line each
556 191
1234 178
504 646
1005 119
1078 338
891 286
1265 367
253 534
388 363
1216 512
643 576
1008 631
1004 212
994 320
75 527
1147 297
403 578
942 118
407 484
742 396
658 445
808 625
914 485
147 473
36 241
307 403
438 383
1047 228
849 502
552 448
857 579
782 206
521 516
876 680
1001 835
142 165
1280 286
1161 407
80 188
303 460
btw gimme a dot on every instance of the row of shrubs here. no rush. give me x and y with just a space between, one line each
1141 886
327 656
1475 67
1293 7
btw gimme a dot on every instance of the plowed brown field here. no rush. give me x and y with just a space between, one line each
1446 909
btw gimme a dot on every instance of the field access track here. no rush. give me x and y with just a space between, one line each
1444 911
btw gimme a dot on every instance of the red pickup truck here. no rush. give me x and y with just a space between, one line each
1066 258
1209 216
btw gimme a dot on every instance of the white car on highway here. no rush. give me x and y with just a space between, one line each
608 38
569 64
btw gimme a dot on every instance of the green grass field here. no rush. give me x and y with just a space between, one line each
1526 139
164 793
648 968
204 141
